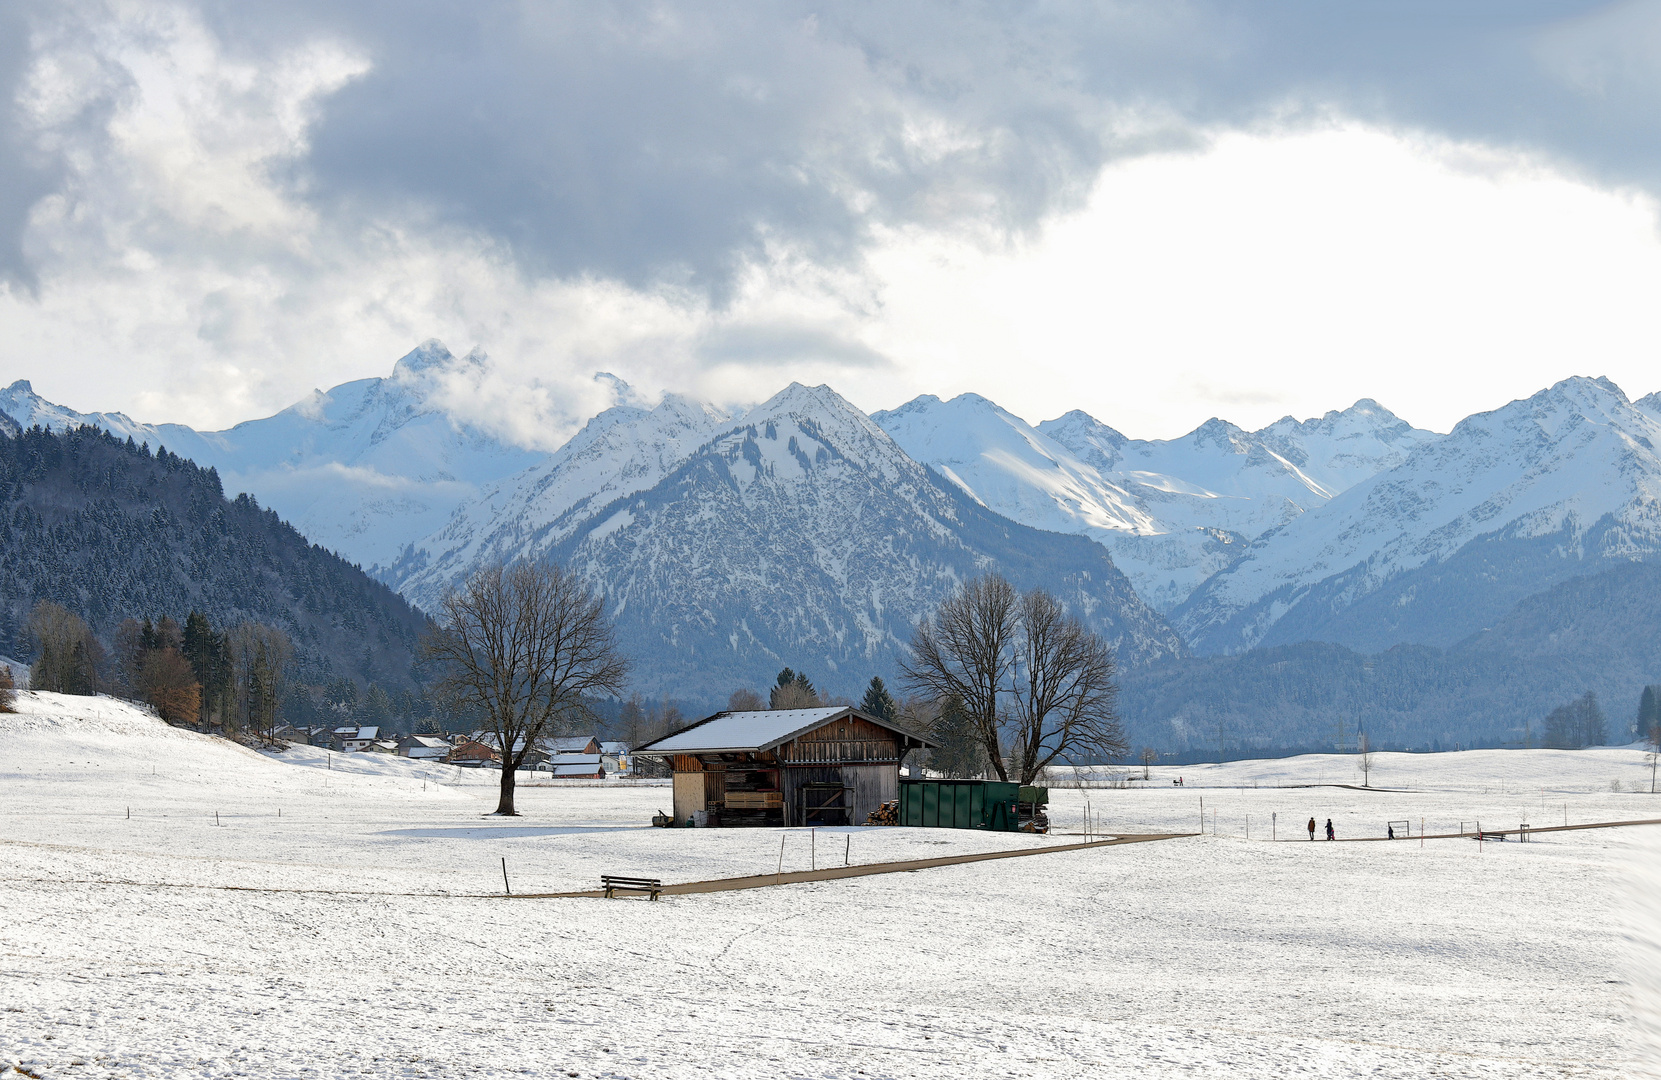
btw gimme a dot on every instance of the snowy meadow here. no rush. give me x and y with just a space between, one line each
178 906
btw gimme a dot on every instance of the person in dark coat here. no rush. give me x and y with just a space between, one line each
1312 828
1329 832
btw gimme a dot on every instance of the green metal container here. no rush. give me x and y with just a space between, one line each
959 804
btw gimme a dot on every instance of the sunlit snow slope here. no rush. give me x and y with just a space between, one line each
802 535
1172 512
623 450
362 469
1509 503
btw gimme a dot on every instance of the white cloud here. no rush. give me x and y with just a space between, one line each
186 275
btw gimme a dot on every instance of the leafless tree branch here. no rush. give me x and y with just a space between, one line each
527 646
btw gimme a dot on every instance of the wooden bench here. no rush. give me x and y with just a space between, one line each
614 885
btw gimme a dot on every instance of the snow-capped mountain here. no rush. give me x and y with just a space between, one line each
621 451
362 469
1506 505
1172 512
803 535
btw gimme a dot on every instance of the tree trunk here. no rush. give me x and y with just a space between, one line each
504 805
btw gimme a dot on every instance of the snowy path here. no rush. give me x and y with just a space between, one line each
126 946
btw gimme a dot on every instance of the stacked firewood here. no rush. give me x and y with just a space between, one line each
886 814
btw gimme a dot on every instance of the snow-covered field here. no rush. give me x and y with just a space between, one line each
362 933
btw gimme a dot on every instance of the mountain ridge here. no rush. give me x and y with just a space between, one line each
803 536
1576 461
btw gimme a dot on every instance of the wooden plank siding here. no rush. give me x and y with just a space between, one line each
846 740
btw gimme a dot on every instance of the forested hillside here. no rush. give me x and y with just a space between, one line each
110 530
1600 632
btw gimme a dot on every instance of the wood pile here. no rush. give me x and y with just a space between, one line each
1038 823
886 814
754 800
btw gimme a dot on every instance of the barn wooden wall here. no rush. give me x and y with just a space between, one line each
689 795
870 786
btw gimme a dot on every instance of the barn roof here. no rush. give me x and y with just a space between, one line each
736 732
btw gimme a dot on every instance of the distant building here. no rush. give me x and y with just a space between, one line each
572 744
423 746
615 757
349 740
535 757
824 766
470 754
577 766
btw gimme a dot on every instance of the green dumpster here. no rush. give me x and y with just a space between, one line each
959 804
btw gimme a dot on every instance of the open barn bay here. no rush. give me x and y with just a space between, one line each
362 932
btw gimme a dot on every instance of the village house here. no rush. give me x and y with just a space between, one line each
825 766
350 740
615 757
535 757
473 755
431 747
571 744
577 767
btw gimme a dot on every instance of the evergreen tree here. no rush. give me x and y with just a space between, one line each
375 708
209 655
1649 712
959 753
342 696
877 701
793 691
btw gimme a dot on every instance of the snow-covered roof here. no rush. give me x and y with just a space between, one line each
614 748
591 760
431 741
731 732
370 733
576 770
569 744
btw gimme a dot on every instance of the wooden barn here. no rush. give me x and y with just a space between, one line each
825 766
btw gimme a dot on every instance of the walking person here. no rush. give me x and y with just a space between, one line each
1329 833
1312 828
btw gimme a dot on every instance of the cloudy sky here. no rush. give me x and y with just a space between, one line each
1158 211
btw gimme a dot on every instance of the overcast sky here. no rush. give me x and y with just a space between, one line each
1158 212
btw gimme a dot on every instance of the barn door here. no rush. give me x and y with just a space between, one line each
824 804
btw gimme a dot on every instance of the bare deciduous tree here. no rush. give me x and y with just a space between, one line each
70 660
260 660
987 643
745 700
525 646
1063 690
1149 756
1364 759
965 652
